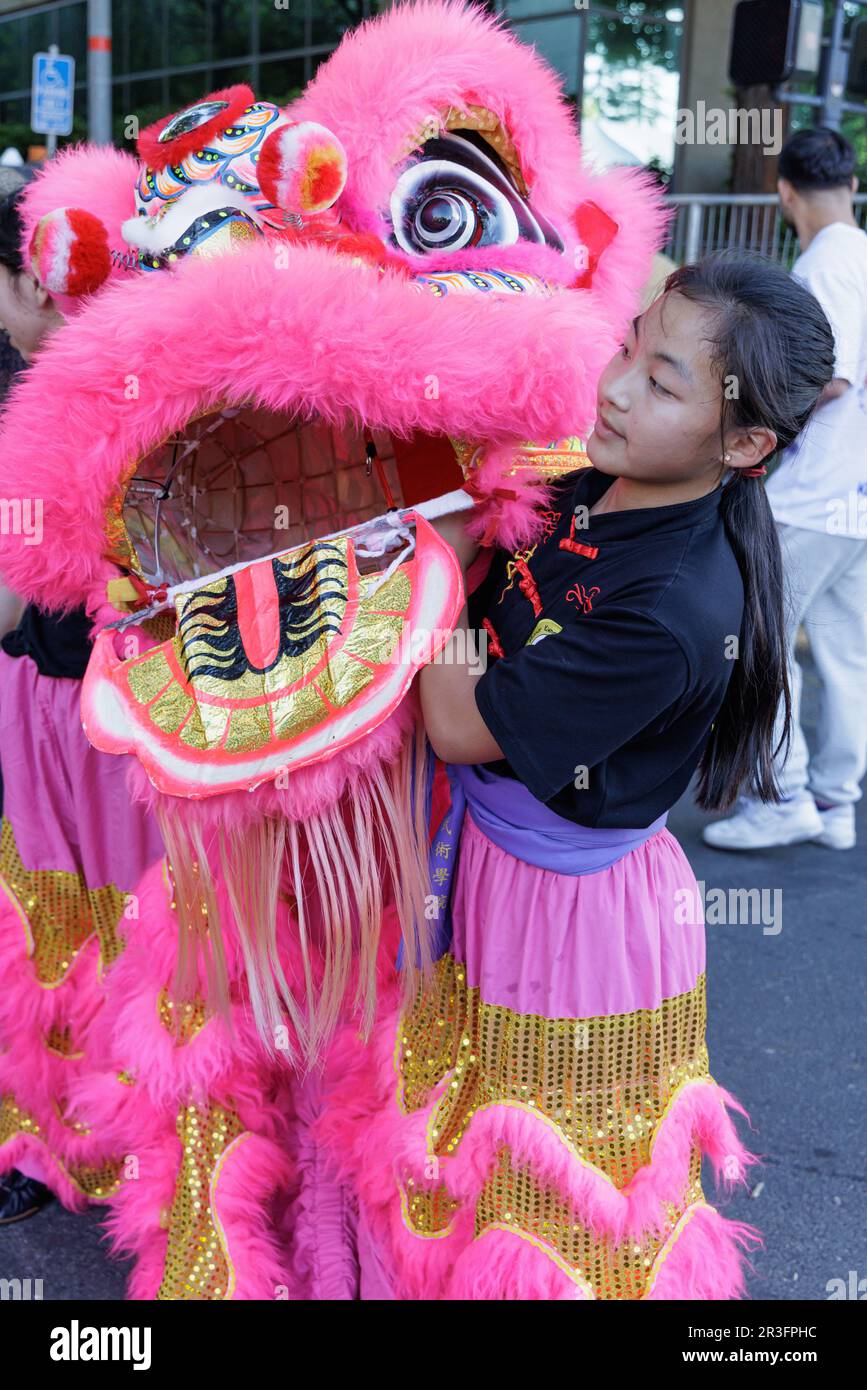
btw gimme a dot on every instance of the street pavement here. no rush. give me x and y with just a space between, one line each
786 1035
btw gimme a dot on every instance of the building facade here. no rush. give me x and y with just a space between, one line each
629 66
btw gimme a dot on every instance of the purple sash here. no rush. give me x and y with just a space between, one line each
508 813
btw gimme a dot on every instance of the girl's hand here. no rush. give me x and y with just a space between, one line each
453 529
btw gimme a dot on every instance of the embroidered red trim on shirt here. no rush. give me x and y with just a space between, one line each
549 523
528 587
591 551
494 645
583 597
514 568
576 547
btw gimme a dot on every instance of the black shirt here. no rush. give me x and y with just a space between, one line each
618 635
59 645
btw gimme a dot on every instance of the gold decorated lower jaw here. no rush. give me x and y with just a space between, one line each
210 712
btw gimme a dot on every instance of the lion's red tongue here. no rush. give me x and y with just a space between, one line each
258 614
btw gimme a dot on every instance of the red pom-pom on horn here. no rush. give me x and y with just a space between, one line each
69 252
302 168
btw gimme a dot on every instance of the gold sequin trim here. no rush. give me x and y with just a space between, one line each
183 1018
97 1182
427 1212
59 913
197 1264
514 1200
601 1084
59 1040
541 461
573 1274
603 1081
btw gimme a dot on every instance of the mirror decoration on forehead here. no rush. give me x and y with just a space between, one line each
191 119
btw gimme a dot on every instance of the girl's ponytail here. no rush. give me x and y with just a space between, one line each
741 749
774 344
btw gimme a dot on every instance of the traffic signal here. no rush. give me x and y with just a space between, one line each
774 39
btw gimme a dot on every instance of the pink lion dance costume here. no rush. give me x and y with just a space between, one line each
324 327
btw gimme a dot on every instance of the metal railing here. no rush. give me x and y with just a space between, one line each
705 222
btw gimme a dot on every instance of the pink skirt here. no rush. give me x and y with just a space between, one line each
533 1126
73 847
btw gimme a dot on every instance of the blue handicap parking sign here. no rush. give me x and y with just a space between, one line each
53 86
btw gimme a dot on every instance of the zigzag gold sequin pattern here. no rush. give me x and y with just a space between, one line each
197 1262
604 1082
183 1018
59 1040
98 1182
61 913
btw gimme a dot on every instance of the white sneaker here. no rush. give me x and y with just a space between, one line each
838 827
760 825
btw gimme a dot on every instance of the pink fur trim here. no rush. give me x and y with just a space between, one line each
500 1265
703 1258
511 520
15 1154
134 1223
251 1172
43 1083
697 1114
377 1146
308 791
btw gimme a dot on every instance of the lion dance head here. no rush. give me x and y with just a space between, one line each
288 330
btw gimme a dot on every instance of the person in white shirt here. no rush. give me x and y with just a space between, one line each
819 499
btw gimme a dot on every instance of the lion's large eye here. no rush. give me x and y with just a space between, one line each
439 207
191 119
454 194
446 219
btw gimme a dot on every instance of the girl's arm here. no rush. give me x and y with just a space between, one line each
456 730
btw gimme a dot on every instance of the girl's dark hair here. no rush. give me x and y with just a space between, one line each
774 349
12 231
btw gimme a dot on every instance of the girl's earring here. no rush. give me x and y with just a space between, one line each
727 458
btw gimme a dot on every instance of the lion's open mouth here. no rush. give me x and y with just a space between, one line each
240 484
299 597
